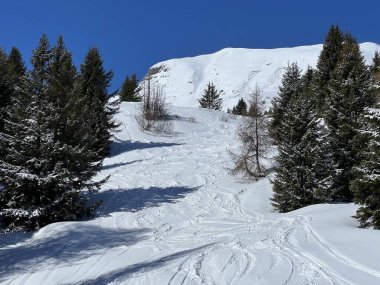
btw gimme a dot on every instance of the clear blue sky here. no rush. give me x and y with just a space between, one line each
133 35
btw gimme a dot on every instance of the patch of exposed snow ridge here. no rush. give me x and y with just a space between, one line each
236 71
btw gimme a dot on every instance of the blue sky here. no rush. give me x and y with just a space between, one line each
133 35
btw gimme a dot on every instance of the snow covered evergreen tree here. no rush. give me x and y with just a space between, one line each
42 174
288 89
366 182
350 92
129 90
211 98
94 82
5 88
254 140
302 170
327 61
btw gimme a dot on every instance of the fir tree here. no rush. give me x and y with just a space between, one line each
327 62
366 181
240 108
129 90
302 170
288 89
94 82
375 66
16 66
254 141
211 98
350 91
43 176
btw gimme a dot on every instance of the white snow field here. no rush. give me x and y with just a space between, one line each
172 214
236 71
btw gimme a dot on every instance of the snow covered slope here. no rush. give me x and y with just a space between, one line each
172 214
236 71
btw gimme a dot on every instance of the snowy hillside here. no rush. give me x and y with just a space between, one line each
234 70
172 214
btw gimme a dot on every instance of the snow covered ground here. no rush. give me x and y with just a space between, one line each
173 215
236 71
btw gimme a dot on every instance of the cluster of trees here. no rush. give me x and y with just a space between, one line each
55 131
129 91
326 124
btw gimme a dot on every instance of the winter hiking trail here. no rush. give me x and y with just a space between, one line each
172 214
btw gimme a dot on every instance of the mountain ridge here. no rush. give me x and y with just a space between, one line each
236 71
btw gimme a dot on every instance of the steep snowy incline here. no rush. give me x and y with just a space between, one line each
236 71
172 214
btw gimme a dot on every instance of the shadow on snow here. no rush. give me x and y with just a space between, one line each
119 147
133 200
73 243
123 274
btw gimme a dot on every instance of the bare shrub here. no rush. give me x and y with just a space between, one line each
154 113
254 141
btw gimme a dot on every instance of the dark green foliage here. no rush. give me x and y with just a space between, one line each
211 98
98 112
288 89
366 182
350 91
240 108
48 160
327 61
129 90
302 170
5 88
375 66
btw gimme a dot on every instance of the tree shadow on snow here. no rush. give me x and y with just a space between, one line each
119 147
123 274
115 165
133 200
74 242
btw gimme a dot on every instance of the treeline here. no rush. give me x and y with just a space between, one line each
326 124
55 131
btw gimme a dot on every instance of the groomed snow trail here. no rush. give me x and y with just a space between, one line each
172 214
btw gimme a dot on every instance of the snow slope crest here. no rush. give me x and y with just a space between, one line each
236 71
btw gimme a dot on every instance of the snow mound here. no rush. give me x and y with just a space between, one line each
172 214
236 71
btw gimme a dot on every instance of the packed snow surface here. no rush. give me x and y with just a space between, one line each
172 214
236 71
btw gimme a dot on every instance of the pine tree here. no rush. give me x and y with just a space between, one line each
5 88
94 82
254 141
302 170
366 175
350 93
16 66
327 62
211 98
375 66
240 108
288 89
43 176
129 90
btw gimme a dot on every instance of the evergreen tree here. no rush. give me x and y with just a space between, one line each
94 82
43 176
375 66
327 61
350 91
366 182
240 108
5 88
254 140
211 98
16 66
129 90
302 170
288 89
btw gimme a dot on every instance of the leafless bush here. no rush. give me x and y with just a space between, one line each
154 114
